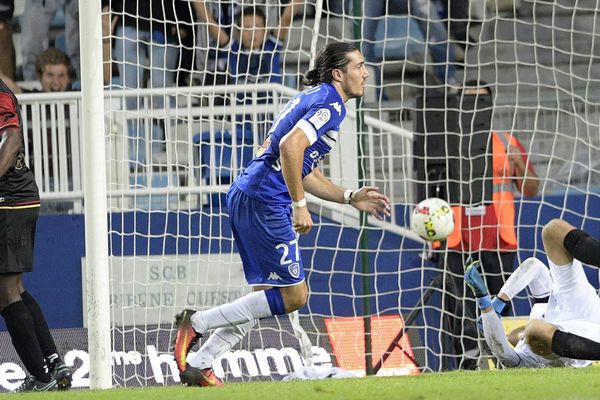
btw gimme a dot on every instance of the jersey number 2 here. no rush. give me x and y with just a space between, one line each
286 251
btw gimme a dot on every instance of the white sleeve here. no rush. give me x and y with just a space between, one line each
495 337
308 130
533 273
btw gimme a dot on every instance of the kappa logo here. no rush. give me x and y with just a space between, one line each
274 276
320 118
337 107
294 270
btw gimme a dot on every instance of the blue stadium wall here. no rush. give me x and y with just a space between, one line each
56 280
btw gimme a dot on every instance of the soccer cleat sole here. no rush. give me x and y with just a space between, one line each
197 377
63 377
64 383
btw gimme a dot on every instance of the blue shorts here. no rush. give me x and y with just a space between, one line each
266 241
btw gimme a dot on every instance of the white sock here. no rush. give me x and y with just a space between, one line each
533 273
221 341
247 308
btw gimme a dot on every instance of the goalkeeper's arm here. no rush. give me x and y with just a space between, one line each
495 337
532 273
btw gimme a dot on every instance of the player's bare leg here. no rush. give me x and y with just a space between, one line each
538 335
294 297
564 243
553 236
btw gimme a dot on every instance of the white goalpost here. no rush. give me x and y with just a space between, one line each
159 157
97 278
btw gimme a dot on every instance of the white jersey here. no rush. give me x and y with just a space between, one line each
528 359
573 307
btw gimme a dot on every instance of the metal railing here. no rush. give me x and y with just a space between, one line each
185 151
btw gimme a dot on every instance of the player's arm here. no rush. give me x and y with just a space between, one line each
523 172
366 199
317 184
10 83
10 142
286 18
291 154
10 133
214 30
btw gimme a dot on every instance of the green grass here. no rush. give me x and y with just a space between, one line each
516 384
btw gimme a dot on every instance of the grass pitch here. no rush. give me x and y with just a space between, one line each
515 384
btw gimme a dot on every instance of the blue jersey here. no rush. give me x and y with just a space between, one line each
255 66
318 112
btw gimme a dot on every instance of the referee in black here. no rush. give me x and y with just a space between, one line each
19 210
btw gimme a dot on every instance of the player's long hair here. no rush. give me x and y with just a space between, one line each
333 56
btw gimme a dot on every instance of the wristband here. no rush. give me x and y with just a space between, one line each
500 306
299 203
348 196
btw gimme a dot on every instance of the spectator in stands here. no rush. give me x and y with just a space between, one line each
7 49
428 17
486 233
37 17
52 68
254 54
458 21
147 30
109 23
213 62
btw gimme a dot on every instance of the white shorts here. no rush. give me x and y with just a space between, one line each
574 305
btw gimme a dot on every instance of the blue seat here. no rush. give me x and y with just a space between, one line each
223 154
398 37
60 42
154 201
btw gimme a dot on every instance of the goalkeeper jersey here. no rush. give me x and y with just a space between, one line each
318 112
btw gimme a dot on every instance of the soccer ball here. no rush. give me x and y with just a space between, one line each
432 219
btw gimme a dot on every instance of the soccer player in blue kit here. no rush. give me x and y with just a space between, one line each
267 209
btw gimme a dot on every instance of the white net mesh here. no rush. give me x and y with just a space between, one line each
186 114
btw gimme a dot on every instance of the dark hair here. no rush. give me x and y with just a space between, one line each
332 56
248 11
51 56
477 84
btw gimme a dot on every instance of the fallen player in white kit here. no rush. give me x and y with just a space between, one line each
566 331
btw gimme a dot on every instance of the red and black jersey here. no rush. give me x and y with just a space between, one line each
17 185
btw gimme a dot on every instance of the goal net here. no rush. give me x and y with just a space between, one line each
186 111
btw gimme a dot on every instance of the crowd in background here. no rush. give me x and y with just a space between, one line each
164 43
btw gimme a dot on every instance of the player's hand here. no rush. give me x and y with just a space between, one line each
369 200
302 220
515 155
